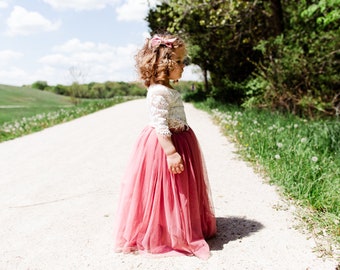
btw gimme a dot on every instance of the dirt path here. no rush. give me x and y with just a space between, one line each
59 189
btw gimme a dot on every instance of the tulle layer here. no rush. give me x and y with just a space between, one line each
160 212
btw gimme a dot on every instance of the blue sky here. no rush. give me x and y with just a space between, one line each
45 39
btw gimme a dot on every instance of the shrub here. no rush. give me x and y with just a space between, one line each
195 93
41 85
300 70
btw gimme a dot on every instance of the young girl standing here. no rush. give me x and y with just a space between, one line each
165 205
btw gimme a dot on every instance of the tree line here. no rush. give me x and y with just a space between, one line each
110 89
277 54
93 90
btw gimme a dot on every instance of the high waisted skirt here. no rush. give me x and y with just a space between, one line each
160 212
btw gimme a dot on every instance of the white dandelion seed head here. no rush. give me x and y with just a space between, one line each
277 156
303 140
279 145
314 159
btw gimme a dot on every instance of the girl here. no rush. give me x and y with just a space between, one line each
165 205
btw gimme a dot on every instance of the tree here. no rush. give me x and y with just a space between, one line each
77 89
221 36
300 69
41 85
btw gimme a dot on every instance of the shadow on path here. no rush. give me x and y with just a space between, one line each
231 229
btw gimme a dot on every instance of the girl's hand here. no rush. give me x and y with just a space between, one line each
175 163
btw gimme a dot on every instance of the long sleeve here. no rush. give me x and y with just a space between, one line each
166 110
159 104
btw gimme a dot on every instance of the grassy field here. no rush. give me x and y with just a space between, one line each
19 102
24 110
301 156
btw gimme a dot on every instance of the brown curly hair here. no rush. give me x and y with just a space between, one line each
154 61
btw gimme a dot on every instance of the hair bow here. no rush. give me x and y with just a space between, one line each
157 40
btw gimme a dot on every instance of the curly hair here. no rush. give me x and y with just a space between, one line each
154 61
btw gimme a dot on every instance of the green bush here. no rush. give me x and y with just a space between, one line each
195 93
41 85
300 69
61 90
228 91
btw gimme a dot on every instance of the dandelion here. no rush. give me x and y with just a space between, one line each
279 145
314 159
234 123
303 140
7 129
229 117
296 125
277 156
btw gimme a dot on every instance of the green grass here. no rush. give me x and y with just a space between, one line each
19 102
27 125
24 110
301 156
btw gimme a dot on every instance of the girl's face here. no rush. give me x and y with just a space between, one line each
178 57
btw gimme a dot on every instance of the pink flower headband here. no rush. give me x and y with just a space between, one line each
157 40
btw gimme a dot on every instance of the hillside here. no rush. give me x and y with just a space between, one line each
18 102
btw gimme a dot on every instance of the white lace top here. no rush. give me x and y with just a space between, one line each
166 110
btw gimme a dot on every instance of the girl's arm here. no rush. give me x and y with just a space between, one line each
159 102
174 159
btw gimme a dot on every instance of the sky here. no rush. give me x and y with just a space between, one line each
60 41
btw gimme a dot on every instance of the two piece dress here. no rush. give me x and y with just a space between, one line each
160 212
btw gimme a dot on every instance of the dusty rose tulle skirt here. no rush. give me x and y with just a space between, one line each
160 212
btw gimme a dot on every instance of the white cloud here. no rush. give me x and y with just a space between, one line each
99 61
134 10
80 4
55 60
3 4
75 45
7 56
13 76
24 22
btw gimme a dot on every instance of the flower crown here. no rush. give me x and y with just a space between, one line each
157 41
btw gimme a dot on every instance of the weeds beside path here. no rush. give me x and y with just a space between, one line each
301 156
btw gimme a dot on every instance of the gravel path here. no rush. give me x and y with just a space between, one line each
59 189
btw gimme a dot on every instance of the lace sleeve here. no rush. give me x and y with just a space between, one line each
159 102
